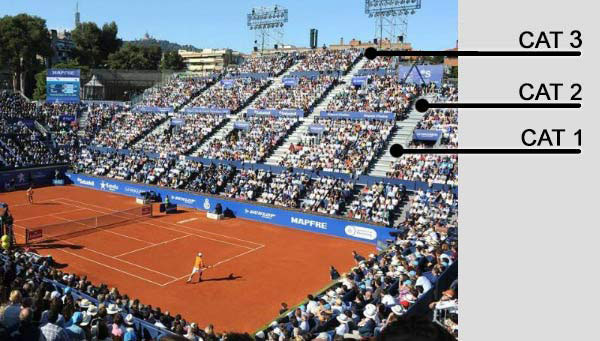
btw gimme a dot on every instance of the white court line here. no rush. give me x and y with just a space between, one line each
216 264
186 221
28 204
45 215
101 230
184 227
166 228
153 245
102 264
118 259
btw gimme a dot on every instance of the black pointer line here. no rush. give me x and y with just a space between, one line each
422 105
504 105
371 53
492 151
399 152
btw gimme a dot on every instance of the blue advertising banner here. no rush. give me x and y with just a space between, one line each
253 75
143 108
316 74
276 113
227 83
316 128
360 81
62 86
339 115
426 135
422 74
66 118
29 123
242 125
177 122
277 216
205 110
290 81
378 72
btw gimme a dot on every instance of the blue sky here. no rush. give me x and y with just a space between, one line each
206 24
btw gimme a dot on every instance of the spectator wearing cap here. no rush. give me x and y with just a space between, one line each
129 331
366 327
76 333
343 328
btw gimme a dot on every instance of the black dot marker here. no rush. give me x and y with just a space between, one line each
370 53
422 105
396 150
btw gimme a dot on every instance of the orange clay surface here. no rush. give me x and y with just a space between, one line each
256 266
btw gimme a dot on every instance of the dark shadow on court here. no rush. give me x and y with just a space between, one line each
46 203
231 277
48 245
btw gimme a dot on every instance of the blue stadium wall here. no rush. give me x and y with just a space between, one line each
23 178
347 229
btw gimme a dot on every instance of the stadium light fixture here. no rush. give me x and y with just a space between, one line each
390 16
268 24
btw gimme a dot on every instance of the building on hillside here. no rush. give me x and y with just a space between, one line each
62 45
451 61
385 44
210 60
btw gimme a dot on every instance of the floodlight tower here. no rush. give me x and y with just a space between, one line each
268 25
391 17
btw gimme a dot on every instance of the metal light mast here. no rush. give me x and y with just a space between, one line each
391 17
268 25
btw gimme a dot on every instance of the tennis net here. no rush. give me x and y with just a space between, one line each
73 228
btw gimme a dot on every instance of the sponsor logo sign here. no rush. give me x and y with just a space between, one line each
308 222
261 214
360 232
85 182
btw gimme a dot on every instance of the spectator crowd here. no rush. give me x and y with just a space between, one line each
380 94
345 146
303 95
252 145
176 92
181 137
230 94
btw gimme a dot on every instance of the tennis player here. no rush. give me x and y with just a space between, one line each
199 267
30 195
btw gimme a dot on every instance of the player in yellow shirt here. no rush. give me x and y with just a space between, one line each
199 266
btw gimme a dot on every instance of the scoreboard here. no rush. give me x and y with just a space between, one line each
62 86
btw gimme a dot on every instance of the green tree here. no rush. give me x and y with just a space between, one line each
23 38
39 94
109 42
93 45
131 57
172 60
40 78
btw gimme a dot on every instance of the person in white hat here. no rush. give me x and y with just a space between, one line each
343 327
199 267
368 324
112 309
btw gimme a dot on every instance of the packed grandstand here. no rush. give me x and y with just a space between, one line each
258 132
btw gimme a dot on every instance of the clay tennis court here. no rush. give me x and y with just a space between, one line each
256 266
